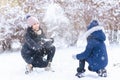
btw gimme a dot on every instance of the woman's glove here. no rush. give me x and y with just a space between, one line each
52 39
47 44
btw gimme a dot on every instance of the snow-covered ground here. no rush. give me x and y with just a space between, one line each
12 66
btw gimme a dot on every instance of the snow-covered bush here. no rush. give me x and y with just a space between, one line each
58 24
11 25
64 20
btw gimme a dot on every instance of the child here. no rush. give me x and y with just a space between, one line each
36 46
95 53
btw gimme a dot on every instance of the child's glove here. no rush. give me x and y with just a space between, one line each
74 56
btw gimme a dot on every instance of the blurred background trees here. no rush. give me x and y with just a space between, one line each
64 20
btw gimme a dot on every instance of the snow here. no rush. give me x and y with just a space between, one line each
16 44
55 14
12 66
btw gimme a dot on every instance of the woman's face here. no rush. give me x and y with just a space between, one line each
36 26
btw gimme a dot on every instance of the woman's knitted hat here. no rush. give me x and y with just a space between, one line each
31 20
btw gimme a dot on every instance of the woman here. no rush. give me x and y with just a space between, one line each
36 46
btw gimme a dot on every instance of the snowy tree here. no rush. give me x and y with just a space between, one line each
57 24
64 20
10 26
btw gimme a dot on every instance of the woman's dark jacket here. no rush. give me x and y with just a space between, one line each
33 45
